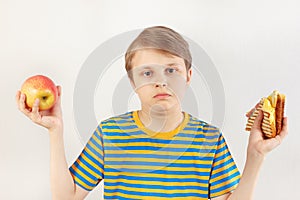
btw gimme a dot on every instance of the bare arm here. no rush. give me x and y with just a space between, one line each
258 147
245 188
62 184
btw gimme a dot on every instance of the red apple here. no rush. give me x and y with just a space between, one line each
40 87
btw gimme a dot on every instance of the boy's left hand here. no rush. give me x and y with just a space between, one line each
257 144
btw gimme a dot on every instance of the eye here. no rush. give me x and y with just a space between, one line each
171 70
147 73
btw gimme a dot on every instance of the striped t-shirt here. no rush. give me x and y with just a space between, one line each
190 162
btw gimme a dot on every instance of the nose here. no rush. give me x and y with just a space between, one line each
160 84
161 80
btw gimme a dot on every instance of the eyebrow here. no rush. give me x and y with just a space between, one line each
145 67
169 64
173 64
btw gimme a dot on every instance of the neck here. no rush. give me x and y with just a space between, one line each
161 120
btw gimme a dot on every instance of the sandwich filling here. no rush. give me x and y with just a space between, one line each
272 108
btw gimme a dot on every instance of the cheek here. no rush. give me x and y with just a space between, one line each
144 92
178 87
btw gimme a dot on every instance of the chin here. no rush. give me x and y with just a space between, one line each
164 106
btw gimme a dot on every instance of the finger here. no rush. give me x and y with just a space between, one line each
272 143
257 105
35 115
58 95
18 96
257 122
35 107
279 138
59 90
283 133
22 104
57 106
249 113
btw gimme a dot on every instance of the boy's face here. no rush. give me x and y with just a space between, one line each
159 79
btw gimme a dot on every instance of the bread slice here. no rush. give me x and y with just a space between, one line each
273 112
280 112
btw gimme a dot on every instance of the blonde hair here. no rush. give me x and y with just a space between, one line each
162 39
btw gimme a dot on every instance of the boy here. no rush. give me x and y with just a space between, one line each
160 151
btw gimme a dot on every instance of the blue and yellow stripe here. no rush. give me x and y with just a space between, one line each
191 162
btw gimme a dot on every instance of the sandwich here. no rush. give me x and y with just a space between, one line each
273 113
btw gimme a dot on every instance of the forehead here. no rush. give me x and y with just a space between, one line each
152 56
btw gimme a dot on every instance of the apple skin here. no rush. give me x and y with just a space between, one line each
40 87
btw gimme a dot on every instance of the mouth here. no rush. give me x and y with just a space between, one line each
162 96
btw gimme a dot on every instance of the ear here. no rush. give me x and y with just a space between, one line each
189 76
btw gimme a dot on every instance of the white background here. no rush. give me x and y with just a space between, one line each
255 46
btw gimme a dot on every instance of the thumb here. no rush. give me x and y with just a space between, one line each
58 93
58 90
257 122
56 108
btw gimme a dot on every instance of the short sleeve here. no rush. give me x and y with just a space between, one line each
88 169
225 175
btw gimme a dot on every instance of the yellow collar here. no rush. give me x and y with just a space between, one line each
154 134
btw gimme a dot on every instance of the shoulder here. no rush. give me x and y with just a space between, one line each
201 123
117 119
203 126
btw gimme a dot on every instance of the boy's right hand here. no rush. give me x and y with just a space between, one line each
249 113
50 119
